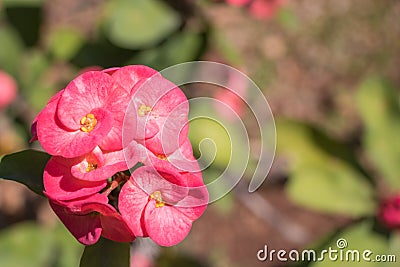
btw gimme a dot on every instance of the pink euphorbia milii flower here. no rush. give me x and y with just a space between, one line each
99 165
88 219
182 159
99 127
389 213
69 178
160 204
131 77
60 185
89 112
159 108
8 89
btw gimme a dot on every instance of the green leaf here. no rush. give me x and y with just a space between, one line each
64 43
31 71
35 85
140 23
106 253
394 249
377 102
11 50
287 18
24 245
295 142
359 237
332 188
179 48
25 167
220 142
22 3
29 244
212 139
226 48
320 177
225 204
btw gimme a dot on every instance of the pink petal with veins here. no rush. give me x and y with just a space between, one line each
131 77
171 184
60 141
114 226
167 226
132 201
98 165
86 228
61 185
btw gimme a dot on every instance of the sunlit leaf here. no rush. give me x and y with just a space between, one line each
331 188
180 48
64 43
212 139
219 141
139 23
28 244
24 245
226 48
11 50
36 87
377 102
320 177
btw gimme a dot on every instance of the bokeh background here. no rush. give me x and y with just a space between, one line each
329 70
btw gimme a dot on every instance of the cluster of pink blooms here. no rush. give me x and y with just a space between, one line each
8 89
389 212
105 123
261 9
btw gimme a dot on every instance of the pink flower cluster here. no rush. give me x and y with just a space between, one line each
261 9
104 125
389 212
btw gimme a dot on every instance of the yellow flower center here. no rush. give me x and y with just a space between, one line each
144 110
88 123
91 167
162 156
158 198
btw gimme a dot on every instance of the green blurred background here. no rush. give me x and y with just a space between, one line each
329 70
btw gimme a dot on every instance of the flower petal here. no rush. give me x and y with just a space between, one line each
60 185
132 201
166 225
194 205
131 77
60 141
86 228
153 101
86 92
171 184
105 164
114 226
